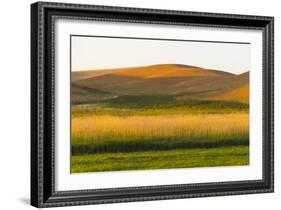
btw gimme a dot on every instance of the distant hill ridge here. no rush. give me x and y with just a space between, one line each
178 80
157 70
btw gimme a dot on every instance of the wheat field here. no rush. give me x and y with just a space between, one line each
106 142
99 128
102 134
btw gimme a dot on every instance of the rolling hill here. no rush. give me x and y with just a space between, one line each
176 80
239 94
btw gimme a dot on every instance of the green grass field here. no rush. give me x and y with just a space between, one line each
187 158
160 132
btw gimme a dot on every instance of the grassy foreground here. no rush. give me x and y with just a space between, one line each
188 158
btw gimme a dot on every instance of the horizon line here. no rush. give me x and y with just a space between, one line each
157 64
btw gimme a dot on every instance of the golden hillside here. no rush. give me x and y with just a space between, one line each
180 81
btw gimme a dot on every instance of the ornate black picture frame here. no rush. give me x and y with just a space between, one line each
43 17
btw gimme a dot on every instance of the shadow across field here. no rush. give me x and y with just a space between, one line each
149 105
155 144
166 101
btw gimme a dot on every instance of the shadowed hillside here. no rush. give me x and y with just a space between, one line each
173 80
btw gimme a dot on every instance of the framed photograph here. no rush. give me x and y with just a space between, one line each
133 104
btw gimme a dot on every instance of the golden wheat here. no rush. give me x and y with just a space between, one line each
96 127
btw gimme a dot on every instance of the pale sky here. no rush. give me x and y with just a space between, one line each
96 53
